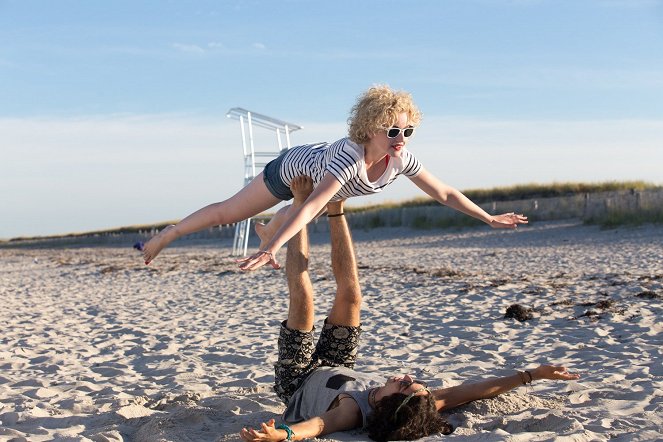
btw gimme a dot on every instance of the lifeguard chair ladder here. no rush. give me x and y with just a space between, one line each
255 161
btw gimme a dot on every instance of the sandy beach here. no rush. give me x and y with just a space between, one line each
97 346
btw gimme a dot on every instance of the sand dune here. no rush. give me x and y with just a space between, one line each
96 346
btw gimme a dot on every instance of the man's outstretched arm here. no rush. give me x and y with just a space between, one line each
448 398
344 417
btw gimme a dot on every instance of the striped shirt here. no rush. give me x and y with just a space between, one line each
344 159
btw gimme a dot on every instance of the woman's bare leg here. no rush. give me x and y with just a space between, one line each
249 201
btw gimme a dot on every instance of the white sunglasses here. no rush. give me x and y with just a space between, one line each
393 132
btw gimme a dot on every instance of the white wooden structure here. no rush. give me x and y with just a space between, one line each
256 160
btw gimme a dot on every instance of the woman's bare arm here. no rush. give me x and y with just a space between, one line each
299 217
449 196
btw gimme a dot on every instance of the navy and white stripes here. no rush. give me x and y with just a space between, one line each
344 159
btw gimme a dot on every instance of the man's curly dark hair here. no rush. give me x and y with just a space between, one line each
416 419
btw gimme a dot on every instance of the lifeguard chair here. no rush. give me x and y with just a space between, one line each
256 160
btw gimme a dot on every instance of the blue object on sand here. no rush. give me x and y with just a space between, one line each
139 246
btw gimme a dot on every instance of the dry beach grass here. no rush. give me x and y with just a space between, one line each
97 346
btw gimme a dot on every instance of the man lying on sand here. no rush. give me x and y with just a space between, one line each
322 392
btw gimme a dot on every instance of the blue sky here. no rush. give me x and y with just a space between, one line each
113 113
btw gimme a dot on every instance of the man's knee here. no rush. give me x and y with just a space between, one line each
349 296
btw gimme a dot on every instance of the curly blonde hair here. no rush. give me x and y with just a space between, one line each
378 108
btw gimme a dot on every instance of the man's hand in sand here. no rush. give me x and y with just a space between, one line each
554 372
157 243
267 432
508 221
301 187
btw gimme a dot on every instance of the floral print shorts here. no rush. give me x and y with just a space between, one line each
298 357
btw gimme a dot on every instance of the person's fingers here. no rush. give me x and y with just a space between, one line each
249 259
560 369
509 220
569 376
258 260
505 225
561 372
254 256
246 265
511 217
254 263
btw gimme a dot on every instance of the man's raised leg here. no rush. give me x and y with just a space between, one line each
347 303
296 344
300 311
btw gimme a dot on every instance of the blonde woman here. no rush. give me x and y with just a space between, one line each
368 160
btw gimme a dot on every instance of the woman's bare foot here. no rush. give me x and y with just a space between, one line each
156 244
301 187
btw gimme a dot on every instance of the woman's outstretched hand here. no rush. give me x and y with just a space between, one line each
258 260
157 243
267 432
508 220
554 372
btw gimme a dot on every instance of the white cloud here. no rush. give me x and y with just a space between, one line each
189 48
259 46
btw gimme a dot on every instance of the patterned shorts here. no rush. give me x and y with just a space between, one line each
298 357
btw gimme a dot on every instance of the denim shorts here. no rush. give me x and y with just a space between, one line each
272 176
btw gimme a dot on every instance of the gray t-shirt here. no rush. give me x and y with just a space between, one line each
322 386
